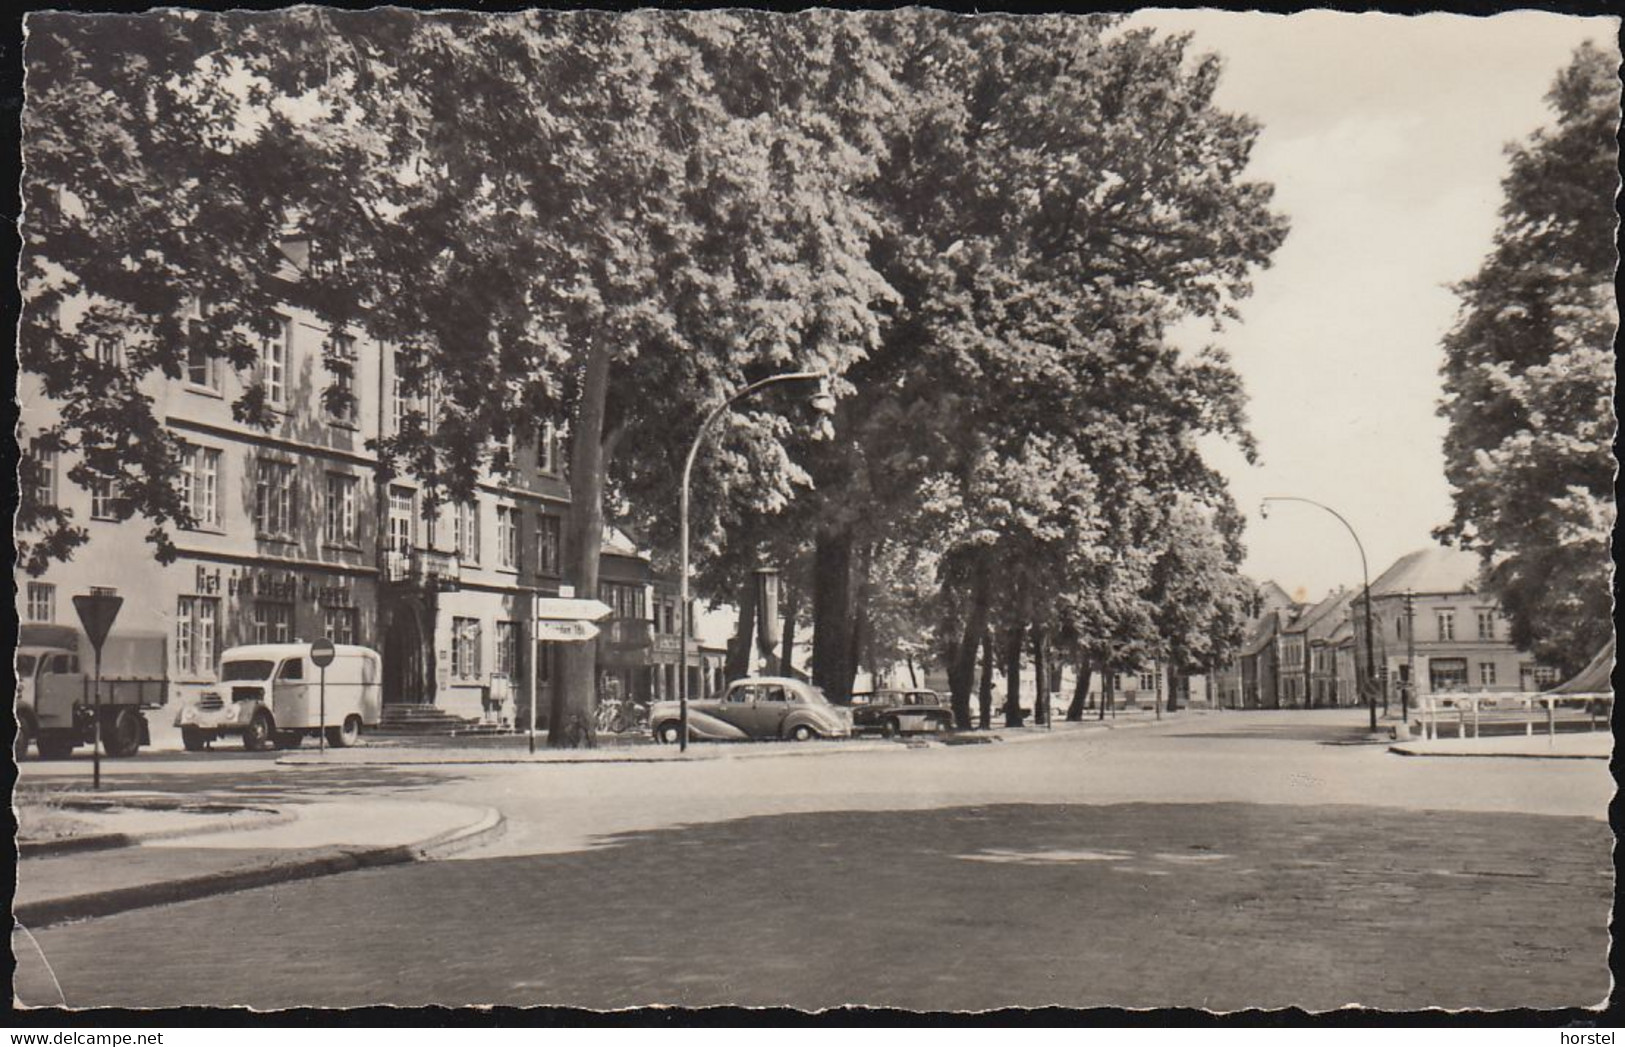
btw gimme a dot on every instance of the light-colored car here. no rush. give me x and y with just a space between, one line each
755 707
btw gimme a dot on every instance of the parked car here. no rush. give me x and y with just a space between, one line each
270 695
894 712
755 707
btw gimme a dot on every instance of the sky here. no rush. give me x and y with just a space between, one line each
1384 137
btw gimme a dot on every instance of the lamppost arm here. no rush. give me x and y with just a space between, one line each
683 499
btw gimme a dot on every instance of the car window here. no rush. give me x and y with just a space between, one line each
741 694
292 669
774 694
59 664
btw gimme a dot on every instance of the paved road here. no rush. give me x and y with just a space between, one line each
1219 861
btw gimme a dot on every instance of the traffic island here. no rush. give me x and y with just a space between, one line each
318 839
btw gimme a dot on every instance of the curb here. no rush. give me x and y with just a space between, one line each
1402 751
305 866
109 841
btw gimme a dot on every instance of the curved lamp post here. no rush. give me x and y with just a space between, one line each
824 403
1365 577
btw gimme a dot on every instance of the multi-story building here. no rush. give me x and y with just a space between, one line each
1429 607
1251 677
1316 627
298 538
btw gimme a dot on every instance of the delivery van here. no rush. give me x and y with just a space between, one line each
270 695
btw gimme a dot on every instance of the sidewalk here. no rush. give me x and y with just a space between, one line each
1575 745
306 840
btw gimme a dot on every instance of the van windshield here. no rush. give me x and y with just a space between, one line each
247 669
25 666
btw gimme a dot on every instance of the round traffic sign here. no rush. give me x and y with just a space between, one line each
322 652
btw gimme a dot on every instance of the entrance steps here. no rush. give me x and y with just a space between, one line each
421 720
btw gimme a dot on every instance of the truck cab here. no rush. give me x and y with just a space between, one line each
58 705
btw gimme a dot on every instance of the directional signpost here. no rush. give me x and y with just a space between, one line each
563 620
96 613
321 652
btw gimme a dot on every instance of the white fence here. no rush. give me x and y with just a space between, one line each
1468 711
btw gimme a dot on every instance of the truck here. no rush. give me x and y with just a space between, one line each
270 696
58 705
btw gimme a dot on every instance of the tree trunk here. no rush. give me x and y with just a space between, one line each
571 721
985 695
1080 690
962 652
1107 678
1040 681
862 652
742 648
1173 685
792 607
1012 675
833 662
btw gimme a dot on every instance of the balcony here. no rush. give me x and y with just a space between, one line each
627 633
427 569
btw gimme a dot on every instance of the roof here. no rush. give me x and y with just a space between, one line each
1432 570
1262 633
1322 619
1273 596
1595 678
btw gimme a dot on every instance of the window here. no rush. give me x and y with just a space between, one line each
399 402
196 635
202 368
1148 681
1545 676
41 602
401 519
274 354
1486 624
1447 674
273 621
466 530
342 408
1486 673
110 351
547 450
627 600
1399 627
1447 625
200 484
507 536
292 669
507 654
339 624
339 526
465 648
274 499
102 499
668 613
45 459
547 544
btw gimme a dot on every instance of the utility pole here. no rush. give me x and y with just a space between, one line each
1410 655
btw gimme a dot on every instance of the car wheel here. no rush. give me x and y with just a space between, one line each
891 729
346 734
666 733
121 736
54 745
193 740
802 733
26 730
259 734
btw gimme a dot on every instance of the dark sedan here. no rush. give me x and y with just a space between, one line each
895 712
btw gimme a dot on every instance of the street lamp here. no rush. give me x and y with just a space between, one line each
1365 577
823 401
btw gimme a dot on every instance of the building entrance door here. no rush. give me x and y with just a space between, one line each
403 660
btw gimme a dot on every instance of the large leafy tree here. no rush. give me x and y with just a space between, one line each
1529 378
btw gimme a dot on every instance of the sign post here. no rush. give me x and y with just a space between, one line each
563 619
97 609
322 652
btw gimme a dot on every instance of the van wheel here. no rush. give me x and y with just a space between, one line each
27 729
121 736
346 735
259 734
54 745
193 739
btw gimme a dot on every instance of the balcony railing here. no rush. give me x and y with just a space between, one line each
428 568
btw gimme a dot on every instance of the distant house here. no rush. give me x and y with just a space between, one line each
1250 680
1315 627
1428 608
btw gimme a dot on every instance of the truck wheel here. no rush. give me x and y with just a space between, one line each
27 729
345 735
54 745
193 739
259 734
121 736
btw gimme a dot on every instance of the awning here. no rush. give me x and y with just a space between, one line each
1594 678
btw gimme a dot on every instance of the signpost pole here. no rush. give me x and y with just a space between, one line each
96 725
321 739
322 653
96 610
